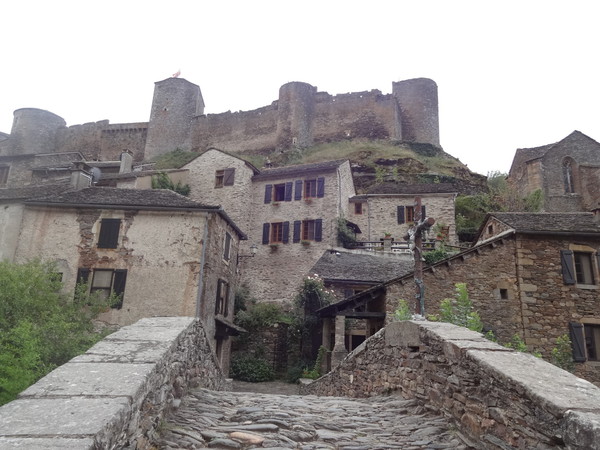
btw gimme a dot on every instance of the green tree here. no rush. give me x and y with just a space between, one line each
459 310
40 328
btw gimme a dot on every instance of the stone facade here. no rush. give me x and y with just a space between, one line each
379 214
116 394
172 262
497 398
567 173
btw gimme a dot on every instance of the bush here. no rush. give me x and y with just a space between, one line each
260 316
251 368
562 354
403 311
459 310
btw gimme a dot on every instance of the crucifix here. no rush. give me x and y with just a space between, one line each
415 244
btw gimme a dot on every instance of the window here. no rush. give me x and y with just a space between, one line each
4 175
222 304
310 188
308 230
279 192
568 176
105 282
578 267
109 233
585 339
406 214
584 268
219 176
504 294
358 208
490 229
224 177
227 247
277 232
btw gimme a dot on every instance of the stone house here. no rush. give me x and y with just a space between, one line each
389 208
160 253
567 173
534 275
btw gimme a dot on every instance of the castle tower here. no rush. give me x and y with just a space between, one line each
295 115
176 102
418 103
34 131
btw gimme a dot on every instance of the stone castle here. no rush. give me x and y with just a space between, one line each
300 117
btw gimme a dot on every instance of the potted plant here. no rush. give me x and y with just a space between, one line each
274 246
305 242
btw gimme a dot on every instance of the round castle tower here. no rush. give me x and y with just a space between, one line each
419 116
175 103
296 110
34 131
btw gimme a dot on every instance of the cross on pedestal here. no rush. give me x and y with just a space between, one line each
415 239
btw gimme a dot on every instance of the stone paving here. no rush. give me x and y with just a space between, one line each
246 420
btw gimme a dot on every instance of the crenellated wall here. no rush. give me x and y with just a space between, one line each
497 397
114 395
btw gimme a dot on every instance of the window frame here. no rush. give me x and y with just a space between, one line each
310 188
583 262
4 172
279 192
358 208
227 246
117 284
276 233
309 230
222 297
219 178
571 267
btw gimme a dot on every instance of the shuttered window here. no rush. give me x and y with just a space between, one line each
228 177
222 300
319 230
320 187
577 341
298 190
105 282
227 247
297 230
310 188
268 193
109 233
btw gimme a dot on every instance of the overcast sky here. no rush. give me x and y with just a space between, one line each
510 74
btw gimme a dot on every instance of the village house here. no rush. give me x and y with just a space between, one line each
531 275
567 173
157 252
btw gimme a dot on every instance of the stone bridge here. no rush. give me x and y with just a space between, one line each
412 385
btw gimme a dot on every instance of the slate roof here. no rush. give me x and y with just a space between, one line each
573 223
421 188
300 169
250 165
114 198
136 174
31 192
341 266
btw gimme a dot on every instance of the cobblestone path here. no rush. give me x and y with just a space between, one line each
245 420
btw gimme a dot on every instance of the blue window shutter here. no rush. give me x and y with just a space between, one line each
577 341
401 214
319 230
297 227
286 232
266 229
568 266
298 190
268 193
320 187
288 191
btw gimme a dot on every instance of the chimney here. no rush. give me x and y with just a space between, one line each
126 159
80 177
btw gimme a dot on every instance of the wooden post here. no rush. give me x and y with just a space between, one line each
415 238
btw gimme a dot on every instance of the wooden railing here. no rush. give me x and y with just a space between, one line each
396 247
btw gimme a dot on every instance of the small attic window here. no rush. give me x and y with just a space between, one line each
490 229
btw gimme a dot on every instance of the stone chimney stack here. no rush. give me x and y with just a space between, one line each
126 162
81 178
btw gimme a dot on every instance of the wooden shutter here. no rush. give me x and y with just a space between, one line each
423 213
109 233
266 229
228 177
268 193
319 230
288 191
119 279
297 228
298 190
83 275
401 214
577 341
568 266
218 299
320 187
286 232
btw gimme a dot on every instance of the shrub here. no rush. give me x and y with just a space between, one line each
459 310
251 368
259 316
162 181
345 236
435 255
403 311
562 354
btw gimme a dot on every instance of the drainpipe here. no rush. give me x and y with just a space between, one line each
202 262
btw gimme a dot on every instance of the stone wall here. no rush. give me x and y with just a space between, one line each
380 215
114 395
498 398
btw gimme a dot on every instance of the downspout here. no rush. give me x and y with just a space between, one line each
519 292
202 262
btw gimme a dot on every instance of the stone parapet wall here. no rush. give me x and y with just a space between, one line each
498 398
114 395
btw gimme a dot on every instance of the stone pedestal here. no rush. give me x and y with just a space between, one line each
339 349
